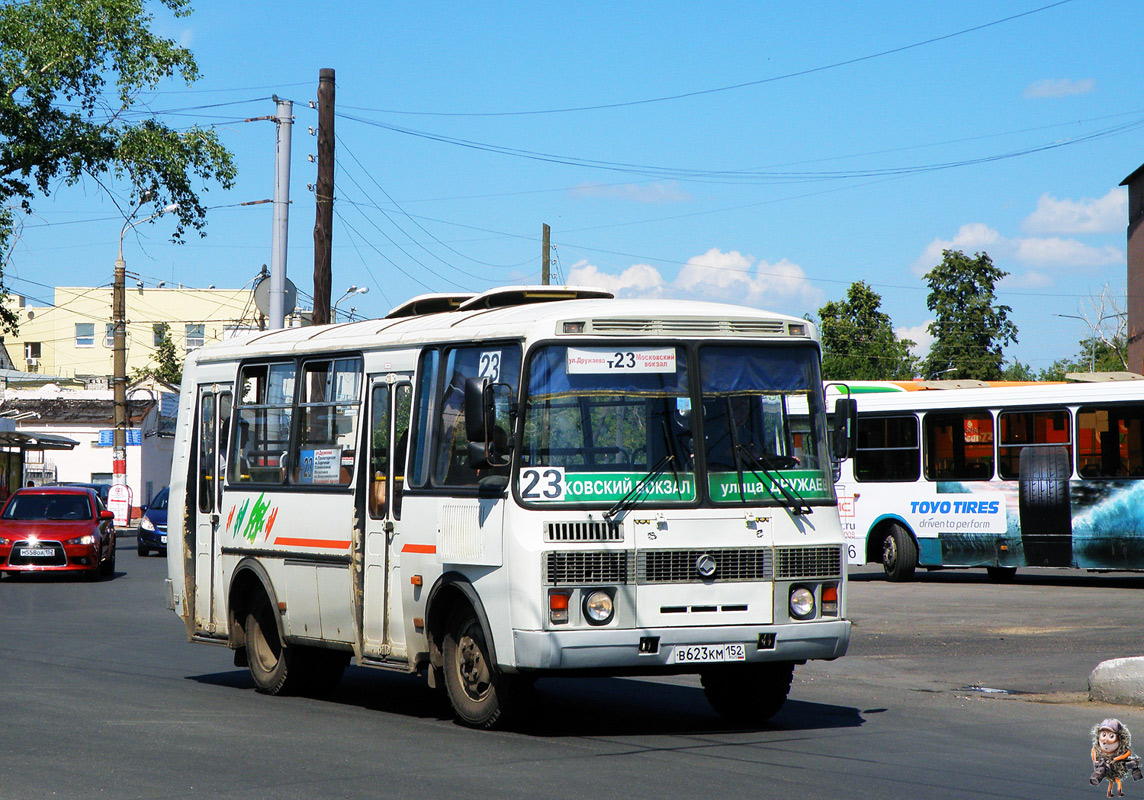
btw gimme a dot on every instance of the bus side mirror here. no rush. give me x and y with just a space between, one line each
488 443
845 417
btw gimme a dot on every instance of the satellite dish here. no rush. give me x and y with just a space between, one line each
262 296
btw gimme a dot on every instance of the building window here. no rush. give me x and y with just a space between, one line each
32 356
85 334
196 335
158 331
109 335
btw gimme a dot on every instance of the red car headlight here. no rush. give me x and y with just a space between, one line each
89 539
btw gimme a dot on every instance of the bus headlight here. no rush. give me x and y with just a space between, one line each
801 602
598 607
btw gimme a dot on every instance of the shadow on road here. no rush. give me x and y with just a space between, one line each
558 707
1024 577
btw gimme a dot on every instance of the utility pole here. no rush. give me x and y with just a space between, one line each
324 199
546 256
284 120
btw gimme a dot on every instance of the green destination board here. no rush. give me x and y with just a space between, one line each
553 484
808 484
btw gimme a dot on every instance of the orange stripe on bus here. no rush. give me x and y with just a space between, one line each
419 548
339 545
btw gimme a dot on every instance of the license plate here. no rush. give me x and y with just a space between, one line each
162 539
708 653
36 552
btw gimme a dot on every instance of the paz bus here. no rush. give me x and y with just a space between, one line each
996 475
534 481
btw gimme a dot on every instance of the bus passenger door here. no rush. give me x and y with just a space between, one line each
214 406
389 413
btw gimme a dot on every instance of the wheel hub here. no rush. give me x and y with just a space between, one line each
473 668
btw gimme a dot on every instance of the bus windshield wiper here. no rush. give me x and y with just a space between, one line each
632 496
794 501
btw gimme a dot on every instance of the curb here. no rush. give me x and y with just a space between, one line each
1119 681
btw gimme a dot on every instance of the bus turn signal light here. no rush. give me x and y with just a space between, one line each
558 607
830 601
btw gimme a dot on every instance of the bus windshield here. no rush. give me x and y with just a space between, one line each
764 427
599 420
609 424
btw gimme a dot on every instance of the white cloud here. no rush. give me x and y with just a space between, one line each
1058 87
970 238
715 275
1054 251
638 280
661 192
1107 214
1049 251
736 277
919 334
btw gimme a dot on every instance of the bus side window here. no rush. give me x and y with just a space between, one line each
378 450
402 408
1110 441
422 430
959 445
497 363
887 449
328 411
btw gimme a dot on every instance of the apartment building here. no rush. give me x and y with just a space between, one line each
73 336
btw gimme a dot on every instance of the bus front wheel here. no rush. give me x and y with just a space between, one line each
748 693
480 694
899 554
270 661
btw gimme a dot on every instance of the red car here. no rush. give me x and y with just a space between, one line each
57 529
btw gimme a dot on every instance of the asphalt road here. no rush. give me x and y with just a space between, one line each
100 696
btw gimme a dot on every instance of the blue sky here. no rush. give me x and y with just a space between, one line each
765 153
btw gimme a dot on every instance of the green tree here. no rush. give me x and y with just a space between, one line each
1018 371
61 122
858 340
1095 354
166 365
969 330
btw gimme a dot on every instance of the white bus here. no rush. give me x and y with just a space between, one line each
1002 476
532 481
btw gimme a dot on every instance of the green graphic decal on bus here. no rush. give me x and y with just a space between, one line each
807 484
551 484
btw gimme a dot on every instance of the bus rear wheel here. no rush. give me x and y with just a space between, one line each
899 554
750 693
481 695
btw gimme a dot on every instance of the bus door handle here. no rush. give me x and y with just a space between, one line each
388 527
214 520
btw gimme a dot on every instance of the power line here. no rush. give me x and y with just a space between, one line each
732 87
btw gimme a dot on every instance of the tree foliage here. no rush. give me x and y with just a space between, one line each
858 340
166 365
61 121
1096 354
970 331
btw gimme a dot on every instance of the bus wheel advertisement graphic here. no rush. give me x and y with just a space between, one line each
1046 514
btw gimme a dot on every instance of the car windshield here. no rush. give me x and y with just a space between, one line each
48 507
160 502
599 421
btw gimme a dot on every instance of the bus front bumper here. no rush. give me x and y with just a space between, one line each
620 649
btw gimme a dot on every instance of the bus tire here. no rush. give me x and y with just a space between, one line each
271 663
1045 508
899 554
1001 574
480 694
748 693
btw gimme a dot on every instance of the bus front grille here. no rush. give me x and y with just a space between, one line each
584 531
576 568
682 566
808 562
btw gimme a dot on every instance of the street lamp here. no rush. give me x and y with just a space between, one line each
119 368
1092 329
350 291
